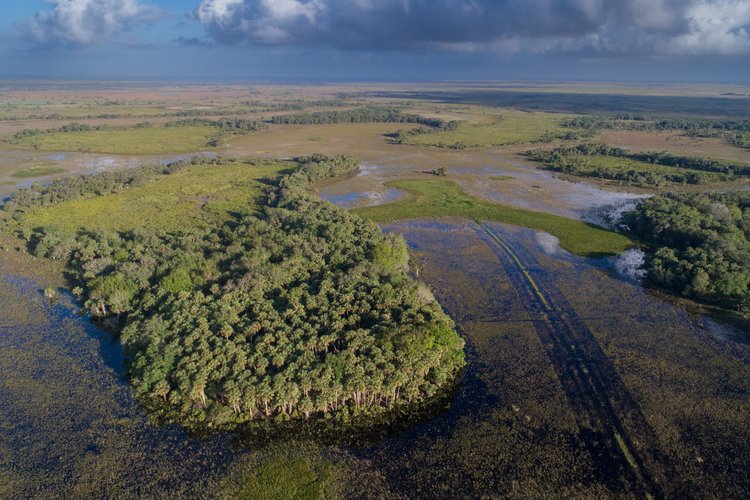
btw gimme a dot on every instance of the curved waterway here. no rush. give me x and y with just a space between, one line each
579 382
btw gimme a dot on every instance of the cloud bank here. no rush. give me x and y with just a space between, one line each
87 22
670 27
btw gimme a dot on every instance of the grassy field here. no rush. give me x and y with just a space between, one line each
197 195
509 127
442 198
155 140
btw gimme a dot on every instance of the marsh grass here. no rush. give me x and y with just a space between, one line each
509 127
441 198
150 140
37 171
300 476
198 195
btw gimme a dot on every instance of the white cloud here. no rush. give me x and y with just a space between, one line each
87 22
217 11
716 27
603 26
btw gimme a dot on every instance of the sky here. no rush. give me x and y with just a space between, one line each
377 40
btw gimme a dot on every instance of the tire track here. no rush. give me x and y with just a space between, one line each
621 443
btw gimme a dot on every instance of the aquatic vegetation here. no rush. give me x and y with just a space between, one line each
37 171
442 198
296 476
166 198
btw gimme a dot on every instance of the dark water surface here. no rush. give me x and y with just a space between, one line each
70 427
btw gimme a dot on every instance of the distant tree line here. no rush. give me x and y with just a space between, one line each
735 132
369 114
301 311
699 245
582 160
224 126
402 136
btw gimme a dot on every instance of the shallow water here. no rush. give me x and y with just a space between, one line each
70 426
508 182
579 383
74 164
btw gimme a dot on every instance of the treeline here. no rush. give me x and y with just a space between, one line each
230 125
236 126
369 114
735 132
700 245
300 311
582 160
402 136
643 122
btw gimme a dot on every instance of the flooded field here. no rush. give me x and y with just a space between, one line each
505 181
579 382
17 165
70 425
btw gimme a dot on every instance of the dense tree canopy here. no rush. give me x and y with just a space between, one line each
700 245
300 311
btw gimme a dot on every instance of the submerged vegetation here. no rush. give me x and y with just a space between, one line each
292 310
653 169
700 245
37 171
443 198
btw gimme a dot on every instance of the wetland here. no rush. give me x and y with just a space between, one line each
579 379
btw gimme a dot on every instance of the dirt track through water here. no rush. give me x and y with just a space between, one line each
623 446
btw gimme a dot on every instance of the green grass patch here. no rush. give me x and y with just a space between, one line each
6 183
441 198
502 178
510 127
285 477
151 140
200 194
37 171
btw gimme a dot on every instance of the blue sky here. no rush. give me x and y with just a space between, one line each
317 40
